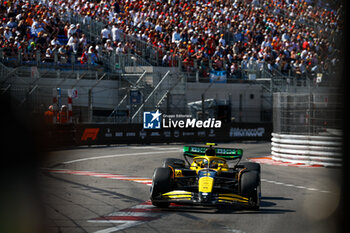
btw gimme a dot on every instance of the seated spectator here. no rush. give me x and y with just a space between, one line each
49 56
108 46
119 49
73 43
62 55
93 56
84 57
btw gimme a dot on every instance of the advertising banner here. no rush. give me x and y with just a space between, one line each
218 76
104 134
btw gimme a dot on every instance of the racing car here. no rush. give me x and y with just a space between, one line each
207 179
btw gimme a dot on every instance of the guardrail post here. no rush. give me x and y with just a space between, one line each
72 60
112 62
55 58
90 105
89 62
19 56
38 57
157 58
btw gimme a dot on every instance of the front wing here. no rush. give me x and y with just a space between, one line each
185 197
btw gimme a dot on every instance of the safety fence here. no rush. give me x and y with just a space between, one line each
307 113
105 61
307 127
305 149
108 134
117 63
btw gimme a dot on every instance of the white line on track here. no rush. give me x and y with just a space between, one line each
141 147
125 225
118 155
294 186
154 148
134 214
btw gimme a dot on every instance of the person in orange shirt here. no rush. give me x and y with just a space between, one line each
49 115
29 20
63 115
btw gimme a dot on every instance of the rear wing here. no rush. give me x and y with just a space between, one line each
226 153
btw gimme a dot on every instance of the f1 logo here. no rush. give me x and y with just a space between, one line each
151 120
90 133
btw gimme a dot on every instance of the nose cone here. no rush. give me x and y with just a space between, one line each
205 184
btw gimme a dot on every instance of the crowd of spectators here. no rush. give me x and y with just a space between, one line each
36 31
286 35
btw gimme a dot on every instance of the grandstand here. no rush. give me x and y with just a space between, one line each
167 53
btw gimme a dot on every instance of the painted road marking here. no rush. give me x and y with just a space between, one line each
154 148
119 155
124 225
294 186
130 217
141 180
268 160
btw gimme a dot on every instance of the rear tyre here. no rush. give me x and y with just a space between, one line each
251 166
251 189
161 183
174 163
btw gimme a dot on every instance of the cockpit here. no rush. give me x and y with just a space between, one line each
209 163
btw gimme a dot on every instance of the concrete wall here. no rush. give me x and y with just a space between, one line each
245 98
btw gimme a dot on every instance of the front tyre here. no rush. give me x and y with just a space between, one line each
161 183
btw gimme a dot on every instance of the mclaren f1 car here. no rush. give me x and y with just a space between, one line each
204 177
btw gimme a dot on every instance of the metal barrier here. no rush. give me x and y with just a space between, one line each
106 61
310 150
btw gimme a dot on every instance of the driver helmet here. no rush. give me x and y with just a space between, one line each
205 163
214 164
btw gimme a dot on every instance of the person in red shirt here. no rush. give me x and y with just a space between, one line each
305 44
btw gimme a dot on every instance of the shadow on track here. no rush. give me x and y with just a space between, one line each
95 190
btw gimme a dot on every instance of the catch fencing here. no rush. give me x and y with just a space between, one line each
308 128
307 113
